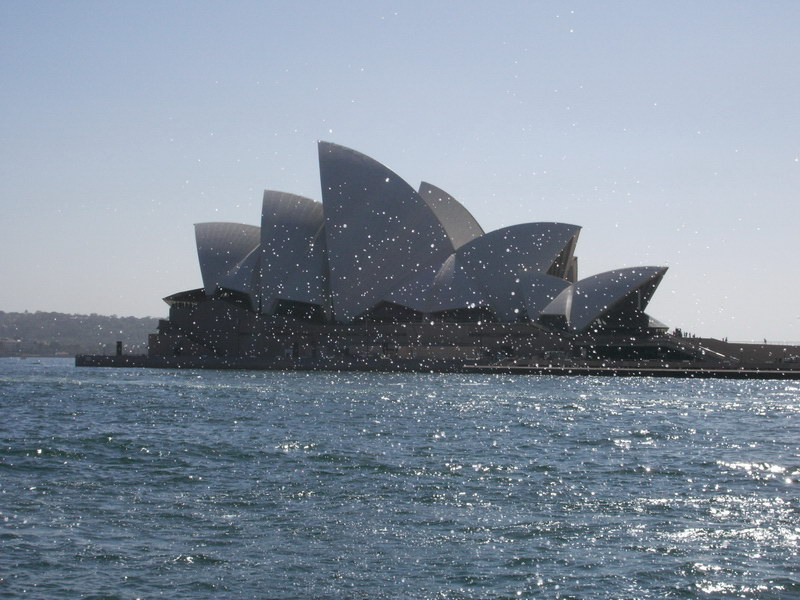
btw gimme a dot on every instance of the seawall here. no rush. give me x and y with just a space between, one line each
434 366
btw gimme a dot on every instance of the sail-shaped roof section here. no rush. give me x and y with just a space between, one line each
497 260
458 222
495 270
309 283
619 291
220 247
448 288
560 308
539 290
245 276
453 288
415 293
533 247
379 231
375 242
289 226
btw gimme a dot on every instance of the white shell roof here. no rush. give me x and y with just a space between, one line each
245 275
447 288
379 231
289 226
415 293
539 290
453 288
310 283
599 294
220 247
561 306
487 271
516 249
374 238
496 261
458 222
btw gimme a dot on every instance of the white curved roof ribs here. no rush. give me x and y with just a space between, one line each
379 232
458 222
220 247
602 294
289 226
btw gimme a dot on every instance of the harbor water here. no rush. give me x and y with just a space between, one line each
139 483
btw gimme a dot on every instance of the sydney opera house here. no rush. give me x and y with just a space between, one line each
383 272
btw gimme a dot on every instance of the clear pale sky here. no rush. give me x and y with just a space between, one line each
670 131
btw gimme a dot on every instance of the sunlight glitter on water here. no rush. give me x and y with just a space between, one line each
291 485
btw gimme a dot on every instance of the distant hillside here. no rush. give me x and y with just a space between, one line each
52 333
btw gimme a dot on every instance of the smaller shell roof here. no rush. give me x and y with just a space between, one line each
539 291
308 283
438 290
495 262
458 222
453 288
599 294
289 226
245 275
220 247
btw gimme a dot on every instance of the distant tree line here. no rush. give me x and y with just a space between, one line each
59 334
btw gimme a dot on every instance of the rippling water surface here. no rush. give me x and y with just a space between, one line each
120 483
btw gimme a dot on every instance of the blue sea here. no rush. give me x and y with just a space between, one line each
124 483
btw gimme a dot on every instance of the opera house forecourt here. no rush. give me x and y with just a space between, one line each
384 276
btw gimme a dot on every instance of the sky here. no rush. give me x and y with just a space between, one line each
669 131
